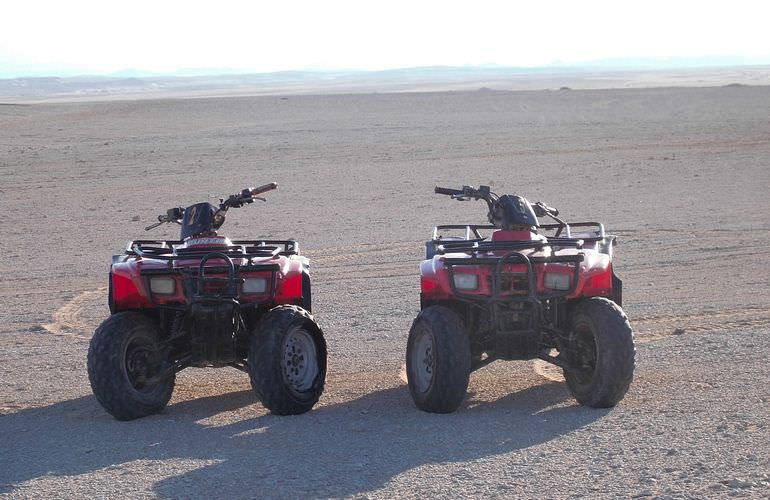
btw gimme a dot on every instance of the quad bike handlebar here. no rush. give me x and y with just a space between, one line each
484 193
448 191
172 215
468 192
247 195
263 189
495 204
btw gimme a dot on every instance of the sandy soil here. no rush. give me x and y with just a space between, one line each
680 175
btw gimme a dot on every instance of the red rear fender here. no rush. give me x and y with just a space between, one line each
128 291
595 276
289 289
594 279
129 287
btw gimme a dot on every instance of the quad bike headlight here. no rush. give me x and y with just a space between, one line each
466 281
163 286
254 285
557 281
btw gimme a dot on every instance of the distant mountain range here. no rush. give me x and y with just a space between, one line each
14 69
135 84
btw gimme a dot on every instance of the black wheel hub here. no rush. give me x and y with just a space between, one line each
142 366
583 354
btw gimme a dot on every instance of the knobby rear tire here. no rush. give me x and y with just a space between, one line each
444 388
108 371
267 360
606 324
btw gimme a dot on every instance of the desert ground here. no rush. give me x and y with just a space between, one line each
680 175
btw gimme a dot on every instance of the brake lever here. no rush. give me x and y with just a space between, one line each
239 202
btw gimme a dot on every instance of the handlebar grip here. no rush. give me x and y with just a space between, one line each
261 189
447 191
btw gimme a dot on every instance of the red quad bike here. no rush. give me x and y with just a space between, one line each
206 301
529 291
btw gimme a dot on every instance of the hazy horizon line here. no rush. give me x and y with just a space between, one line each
618 64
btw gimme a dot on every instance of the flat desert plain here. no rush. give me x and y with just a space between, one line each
680 175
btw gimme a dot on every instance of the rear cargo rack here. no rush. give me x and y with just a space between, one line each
473 241
472 230
473 246
240 249
567 230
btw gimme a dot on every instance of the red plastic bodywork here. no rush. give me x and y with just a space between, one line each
131 289
594 278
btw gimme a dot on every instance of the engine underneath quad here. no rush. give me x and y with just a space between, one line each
525 291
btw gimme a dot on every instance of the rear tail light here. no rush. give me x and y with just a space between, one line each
601 281
123 288
427 285
292 286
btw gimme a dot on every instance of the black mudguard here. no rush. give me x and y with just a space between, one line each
617 289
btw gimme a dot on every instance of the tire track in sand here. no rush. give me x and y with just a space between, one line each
656 328
366 262
67 321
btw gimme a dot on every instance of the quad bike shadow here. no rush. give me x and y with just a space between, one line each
358 446
348 448
75 437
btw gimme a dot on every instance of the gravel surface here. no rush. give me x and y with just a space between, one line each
680 175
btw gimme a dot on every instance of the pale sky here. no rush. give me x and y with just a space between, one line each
105 36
